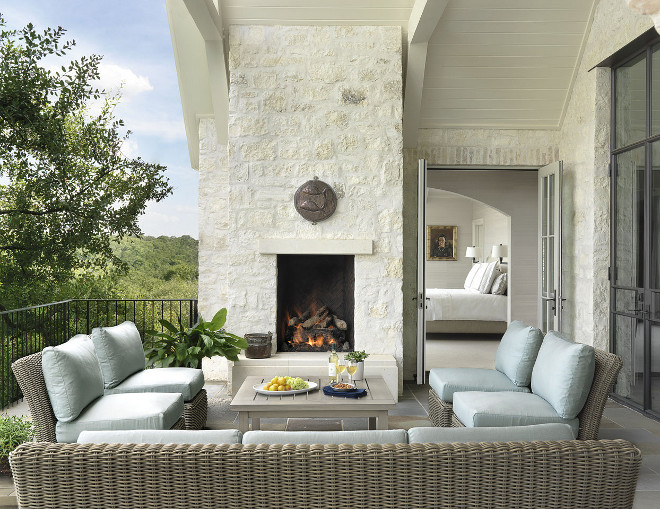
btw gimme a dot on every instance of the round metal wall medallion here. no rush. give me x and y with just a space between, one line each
315 200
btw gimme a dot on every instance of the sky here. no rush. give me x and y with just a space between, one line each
134 38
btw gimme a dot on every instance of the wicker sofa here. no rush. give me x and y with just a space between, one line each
550 474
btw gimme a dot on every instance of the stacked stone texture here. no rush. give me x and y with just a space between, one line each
306 102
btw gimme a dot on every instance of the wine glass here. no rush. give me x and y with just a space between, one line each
351 368
341 367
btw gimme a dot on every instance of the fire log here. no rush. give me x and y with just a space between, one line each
340 324
320 315
323 323
294 321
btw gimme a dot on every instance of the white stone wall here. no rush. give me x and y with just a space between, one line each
306 102
585 149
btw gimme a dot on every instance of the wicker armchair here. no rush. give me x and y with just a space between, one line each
608 366
30 378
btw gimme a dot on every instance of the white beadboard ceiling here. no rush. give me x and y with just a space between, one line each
490 63
504 63
317 12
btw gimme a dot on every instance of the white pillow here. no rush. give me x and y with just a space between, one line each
490 273
477 277
468 280
499 285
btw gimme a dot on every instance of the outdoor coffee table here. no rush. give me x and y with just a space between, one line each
252 405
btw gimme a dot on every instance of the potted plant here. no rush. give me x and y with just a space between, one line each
358 357
187 346
13 432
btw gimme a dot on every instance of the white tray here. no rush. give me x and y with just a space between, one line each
260 389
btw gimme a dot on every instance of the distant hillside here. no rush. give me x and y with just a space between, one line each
159 267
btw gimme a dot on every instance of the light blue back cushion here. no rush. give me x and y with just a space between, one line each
120 352
550 431
72 375
563 374
162 436
517 352
390 436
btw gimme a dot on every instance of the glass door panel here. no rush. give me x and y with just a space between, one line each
629 219
655 366
653 293
630 102
629 345
549 226
655 88
655 216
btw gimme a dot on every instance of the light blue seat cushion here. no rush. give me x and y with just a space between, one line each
392 436
124 411
517 352
73 376
120 352
485 409
563 374
186 381
433 435
165 436
446 381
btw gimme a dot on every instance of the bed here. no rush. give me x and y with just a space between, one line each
472 309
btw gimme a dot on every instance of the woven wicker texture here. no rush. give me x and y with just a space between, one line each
196 410
30 378
608 366
584 474
440 411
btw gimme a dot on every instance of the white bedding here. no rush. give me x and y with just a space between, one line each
460 304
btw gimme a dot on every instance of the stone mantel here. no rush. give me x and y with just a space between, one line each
316 246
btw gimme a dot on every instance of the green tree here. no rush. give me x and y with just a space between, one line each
66 189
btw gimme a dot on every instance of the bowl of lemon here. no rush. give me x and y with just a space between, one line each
284 386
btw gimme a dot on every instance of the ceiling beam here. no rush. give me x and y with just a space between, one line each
424 18
208 20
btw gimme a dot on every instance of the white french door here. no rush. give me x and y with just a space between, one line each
550 232
420 296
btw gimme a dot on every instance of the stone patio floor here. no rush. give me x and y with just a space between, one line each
412 410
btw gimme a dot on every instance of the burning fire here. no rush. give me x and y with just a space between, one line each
300 335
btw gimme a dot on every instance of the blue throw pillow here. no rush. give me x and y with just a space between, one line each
563 374
72 375
517 352
120 352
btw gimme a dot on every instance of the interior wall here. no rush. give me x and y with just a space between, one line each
448 209
496 227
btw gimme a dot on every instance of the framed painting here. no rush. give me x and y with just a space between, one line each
441 242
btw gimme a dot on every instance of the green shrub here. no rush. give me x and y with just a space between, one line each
187 346
14 431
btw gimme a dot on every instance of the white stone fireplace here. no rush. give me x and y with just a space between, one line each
305 102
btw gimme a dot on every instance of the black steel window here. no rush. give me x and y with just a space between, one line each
635 227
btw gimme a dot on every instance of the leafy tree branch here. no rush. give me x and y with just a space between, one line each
66 189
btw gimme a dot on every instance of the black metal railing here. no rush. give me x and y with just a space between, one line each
29 330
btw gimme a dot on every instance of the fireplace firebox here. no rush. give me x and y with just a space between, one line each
315 302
